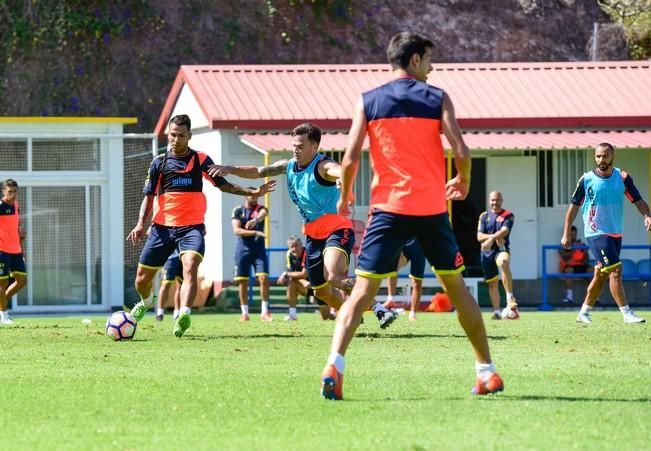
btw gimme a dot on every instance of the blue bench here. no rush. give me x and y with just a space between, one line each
630 270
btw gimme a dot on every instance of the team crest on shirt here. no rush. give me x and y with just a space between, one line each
458 260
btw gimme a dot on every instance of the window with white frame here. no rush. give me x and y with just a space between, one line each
558 172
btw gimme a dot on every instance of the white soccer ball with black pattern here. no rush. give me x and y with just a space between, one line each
507 313
121 326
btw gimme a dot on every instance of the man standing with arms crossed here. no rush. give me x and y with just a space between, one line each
248 226
12 263
600 195
408 199
175 182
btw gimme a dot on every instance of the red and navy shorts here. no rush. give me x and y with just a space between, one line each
11 264
606 250
387 233
341 239
163 240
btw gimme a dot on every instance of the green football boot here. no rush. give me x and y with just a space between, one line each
182 324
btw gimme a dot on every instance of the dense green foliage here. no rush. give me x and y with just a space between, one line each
255 386
635 16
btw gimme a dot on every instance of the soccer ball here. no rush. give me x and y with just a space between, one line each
121 326
507 313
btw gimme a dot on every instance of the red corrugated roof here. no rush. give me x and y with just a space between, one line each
479 140
486 95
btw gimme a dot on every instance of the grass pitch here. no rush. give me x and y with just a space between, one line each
227 385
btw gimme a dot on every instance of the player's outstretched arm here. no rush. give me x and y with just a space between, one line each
263 189
249 172
456 188
145 209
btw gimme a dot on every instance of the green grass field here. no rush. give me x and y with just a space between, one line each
227 385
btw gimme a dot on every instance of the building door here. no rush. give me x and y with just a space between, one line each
515 178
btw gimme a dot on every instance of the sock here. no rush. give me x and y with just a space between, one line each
626 310
185 311
176 314
148 301
265 307
160 311
389 298
412 314
245 309
585 308
338 361
4 315
292 312
569 294
509 296
498 311
484 370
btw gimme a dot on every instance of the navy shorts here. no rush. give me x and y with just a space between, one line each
341 239
387 233
173 269
414 254
606 250
163 240
247 258
489 265
11 264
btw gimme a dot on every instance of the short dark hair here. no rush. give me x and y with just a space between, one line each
609 147
10 183
403 46
312 131
181 119
573 228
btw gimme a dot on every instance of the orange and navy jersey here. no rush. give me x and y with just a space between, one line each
404 128
491 222
9 223
177 184
244 215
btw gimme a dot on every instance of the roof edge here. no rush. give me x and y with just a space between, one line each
62 119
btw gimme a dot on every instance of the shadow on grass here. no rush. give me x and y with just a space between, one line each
568 399
374 335
413 335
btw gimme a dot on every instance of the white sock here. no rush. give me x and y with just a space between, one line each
265 307
245 309
498 311
176 314
292 312
585 308
484 370
509 296
160 311
389 298
338 361
4 315
569 294
626 310
149 300
185 310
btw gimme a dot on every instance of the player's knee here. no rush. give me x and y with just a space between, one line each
21 281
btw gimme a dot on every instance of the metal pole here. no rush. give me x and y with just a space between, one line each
595 40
